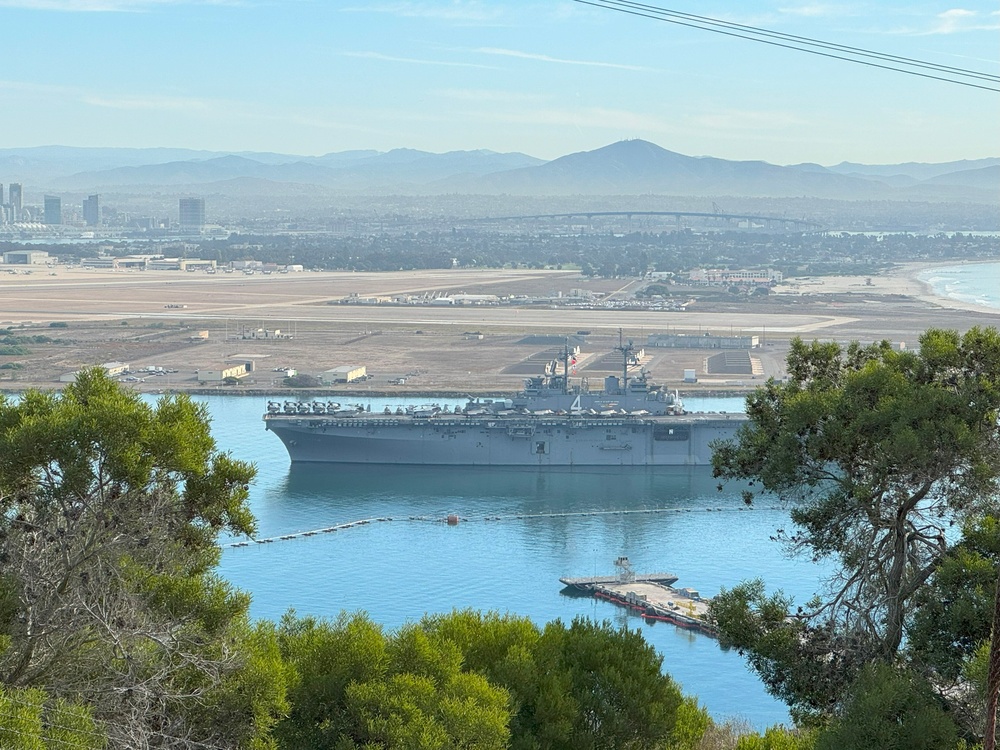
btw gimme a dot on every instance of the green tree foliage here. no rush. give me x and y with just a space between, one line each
586 685
29 720
954 615
111 512
889 709
878 451
950 635
475 680
778 738
502 649
689 729
358 687
620 696
301 380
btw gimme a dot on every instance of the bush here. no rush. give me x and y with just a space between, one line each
889 709
58 324
302 381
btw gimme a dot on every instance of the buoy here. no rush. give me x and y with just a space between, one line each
452 520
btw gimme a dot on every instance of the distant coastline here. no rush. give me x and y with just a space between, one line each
972 285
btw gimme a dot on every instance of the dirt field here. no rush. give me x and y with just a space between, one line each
154 319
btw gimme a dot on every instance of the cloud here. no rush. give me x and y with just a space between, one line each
455 12
486 96
958 20
557 60
581 118
105 6
816 10
744 120
415 61
154 103
35 88
139 102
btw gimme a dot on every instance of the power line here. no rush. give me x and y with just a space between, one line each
857 55
801 39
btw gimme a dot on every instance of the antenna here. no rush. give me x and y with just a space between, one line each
627 350
566 366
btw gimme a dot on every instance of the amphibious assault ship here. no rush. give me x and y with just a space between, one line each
631 422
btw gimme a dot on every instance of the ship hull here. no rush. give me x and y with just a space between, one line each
664 441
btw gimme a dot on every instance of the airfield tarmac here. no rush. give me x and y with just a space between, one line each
157 318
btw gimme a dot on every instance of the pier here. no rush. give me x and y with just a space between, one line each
588 584
652 595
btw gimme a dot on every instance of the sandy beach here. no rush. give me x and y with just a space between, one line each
902 280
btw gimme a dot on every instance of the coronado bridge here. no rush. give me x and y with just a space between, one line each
752 221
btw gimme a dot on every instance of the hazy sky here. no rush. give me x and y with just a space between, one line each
544 78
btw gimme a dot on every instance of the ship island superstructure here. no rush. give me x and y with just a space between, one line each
550 423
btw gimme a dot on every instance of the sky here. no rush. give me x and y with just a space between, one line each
543 78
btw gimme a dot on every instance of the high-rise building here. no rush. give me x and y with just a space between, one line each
14 200
92 210
1 193
192 213
53 209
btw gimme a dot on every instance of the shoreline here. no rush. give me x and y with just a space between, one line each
912 272
902 280
944 300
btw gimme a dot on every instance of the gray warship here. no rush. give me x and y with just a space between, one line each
551 423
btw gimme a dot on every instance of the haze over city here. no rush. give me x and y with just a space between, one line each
544 79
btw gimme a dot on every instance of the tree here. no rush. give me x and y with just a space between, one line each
301 380
889 709
473 680
612 681
586 685
950 639
29 720
878 451
778 738
111 509
327 657
359 687
954 614
427 701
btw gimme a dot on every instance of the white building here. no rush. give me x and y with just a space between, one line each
343 374
26 258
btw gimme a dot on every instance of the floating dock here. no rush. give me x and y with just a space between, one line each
651 595
588 584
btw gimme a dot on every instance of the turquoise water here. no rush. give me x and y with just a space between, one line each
975 283
552 524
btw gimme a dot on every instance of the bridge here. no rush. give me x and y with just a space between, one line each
766 221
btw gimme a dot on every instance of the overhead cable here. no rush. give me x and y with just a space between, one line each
857 55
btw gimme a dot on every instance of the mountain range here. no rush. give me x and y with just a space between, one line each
627 167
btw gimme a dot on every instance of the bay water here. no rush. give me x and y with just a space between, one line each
521 530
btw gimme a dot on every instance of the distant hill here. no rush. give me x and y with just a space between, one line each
915 171
358 170
638 166
987 178
627 167
195 172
